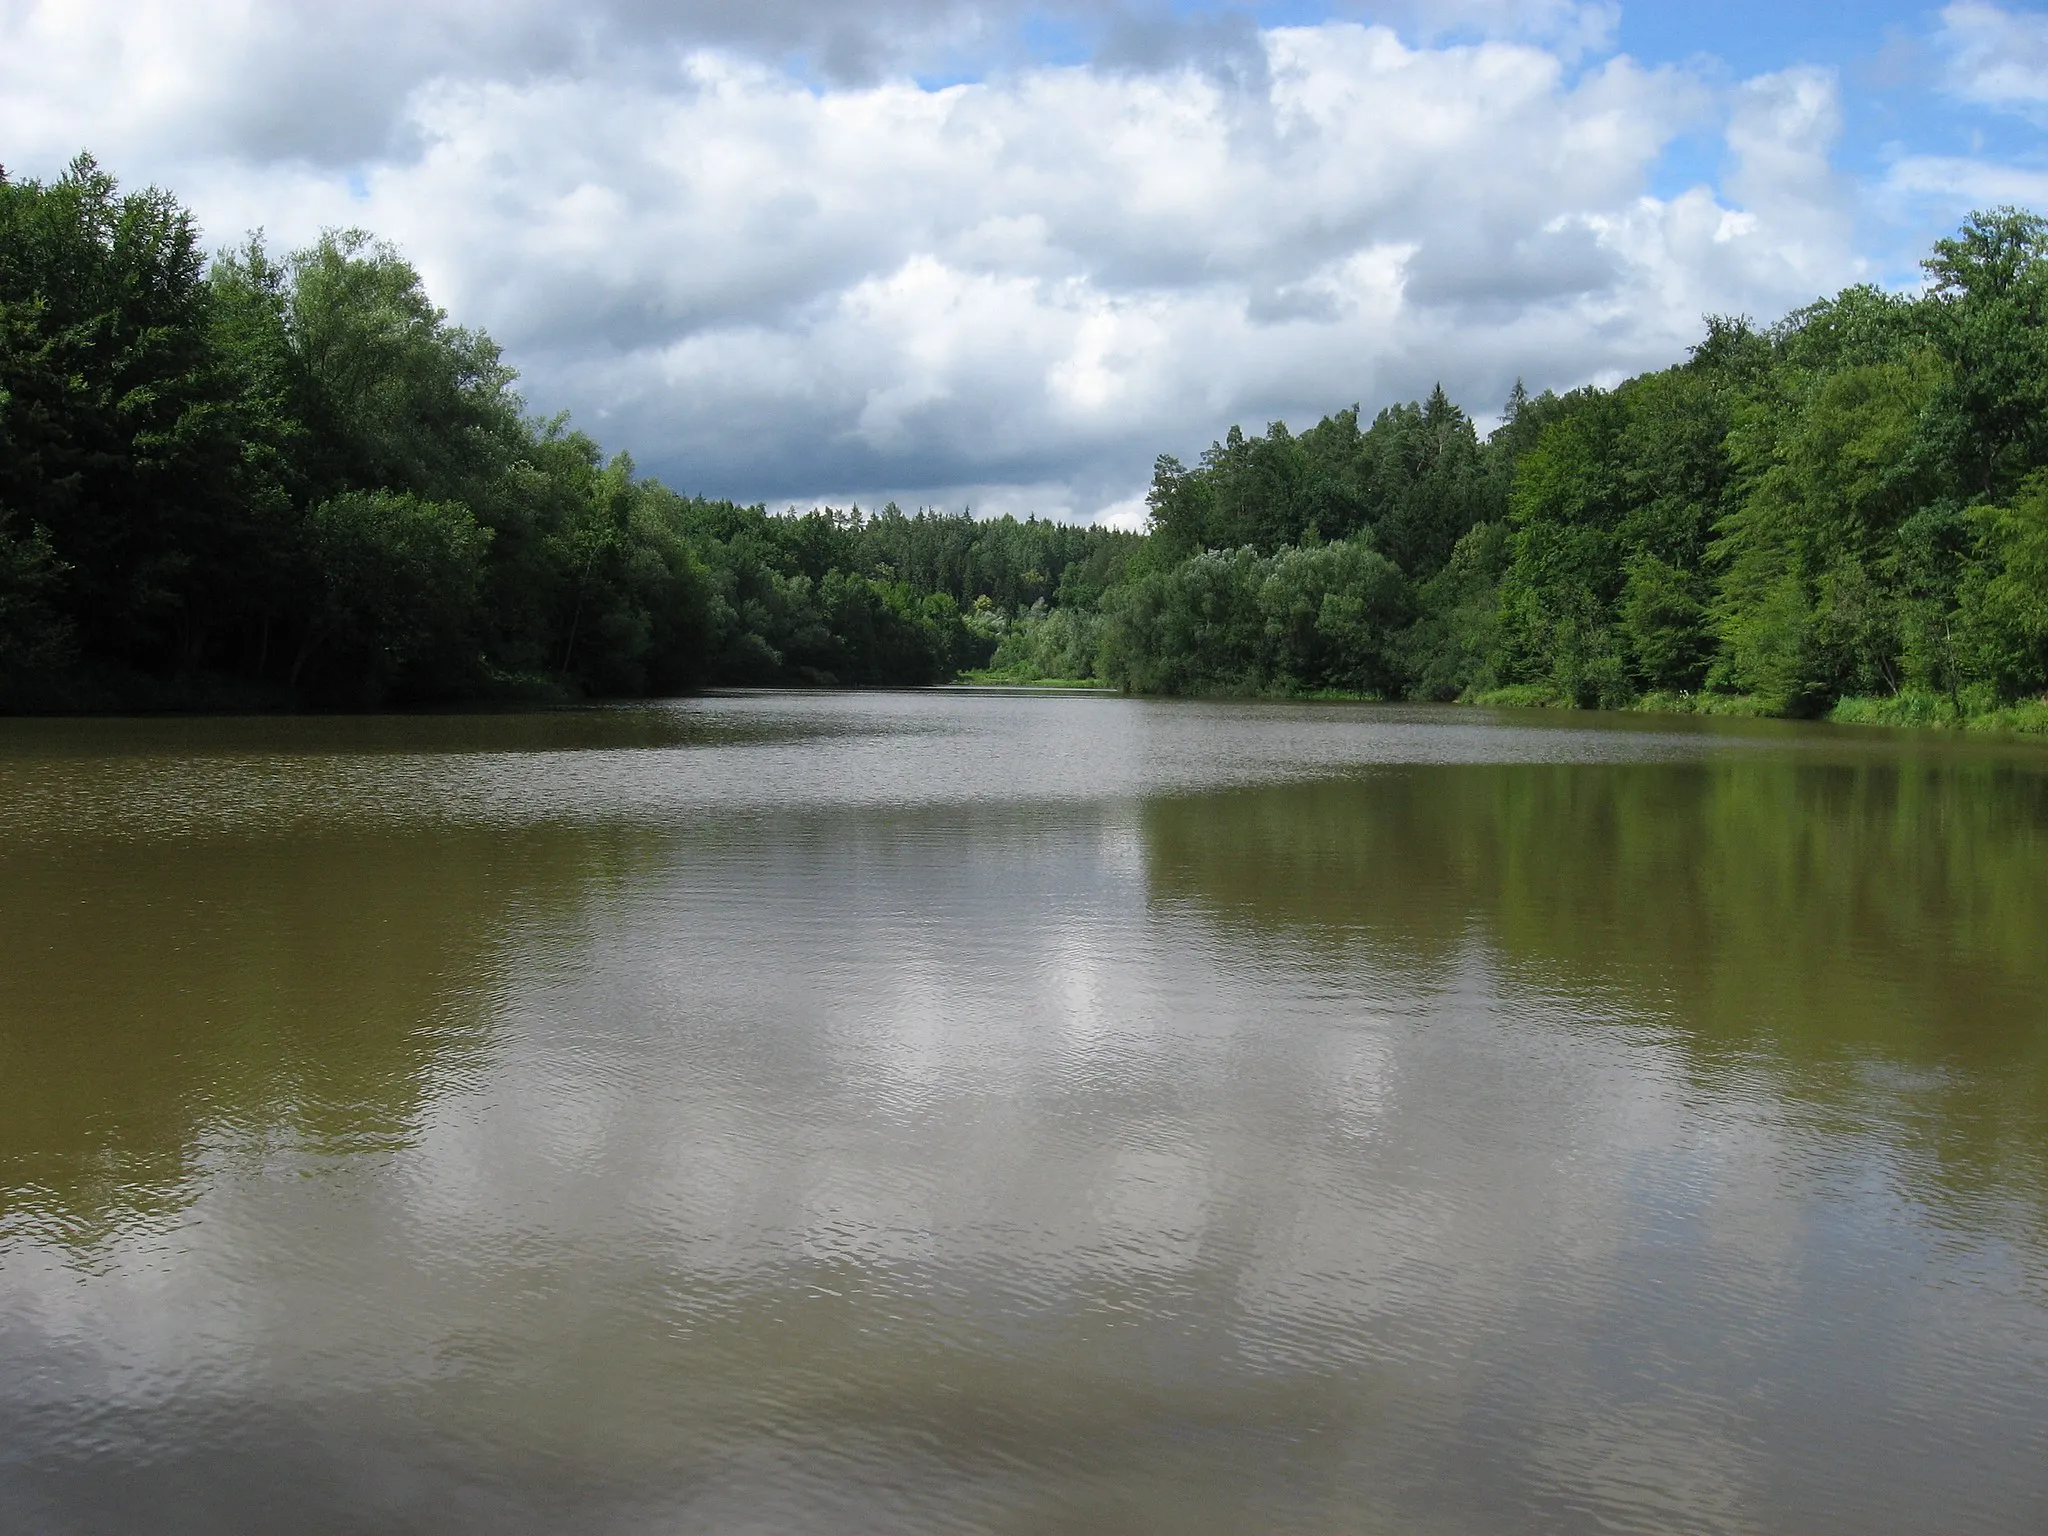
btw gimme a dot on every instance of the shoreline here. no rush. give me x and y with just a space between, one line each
1910 711
1919 713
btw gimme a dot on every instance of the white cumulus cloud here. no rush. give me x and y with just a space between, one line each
1998 58
770 280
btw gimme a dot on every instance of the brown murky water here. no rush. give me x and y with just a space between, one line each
970 1112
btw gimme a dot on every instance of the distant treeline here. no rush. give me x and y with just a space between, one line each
289 480
274 480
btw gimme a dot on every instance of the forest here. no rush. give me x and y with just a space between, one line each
271 480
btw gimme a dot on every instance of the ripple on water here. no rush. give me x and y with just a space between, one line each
951 1111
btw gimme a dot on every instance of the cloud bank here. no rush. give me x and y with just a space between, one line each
782 255
1998 58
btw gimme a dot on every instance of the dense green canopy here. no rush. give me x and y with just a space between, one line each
1851 505
289 480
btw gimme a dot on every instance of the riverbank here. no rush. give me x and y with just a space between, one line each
1912 709
1970 710
987 678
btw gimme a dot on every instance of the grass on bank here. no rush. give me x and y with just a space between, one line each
1970 710
2028 717
1973 709
990 677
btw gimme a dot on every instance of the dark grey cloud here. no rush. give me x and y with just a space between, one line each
1512 269
330 84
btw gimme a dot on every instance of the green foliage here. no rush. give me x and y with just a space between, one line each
1814 558
35 640
1605 593
292 479
1416 480
394 610
1060 644
1973 709
2002 599
1328 616
1988 311
1847 508
1452 647
123 490
836 597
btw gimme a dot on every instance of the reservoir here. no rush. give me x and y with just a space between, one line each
969 1111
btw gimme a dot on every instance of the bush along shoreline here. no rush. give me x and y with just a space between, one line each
269 480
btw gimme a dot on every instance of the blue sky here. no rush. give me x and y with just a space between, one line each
1893 69
1889 56
1002 252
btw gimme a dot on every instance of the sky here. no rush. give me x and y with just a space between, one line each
999 255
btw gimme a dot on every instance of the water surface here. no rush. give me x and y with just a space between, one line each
960 1111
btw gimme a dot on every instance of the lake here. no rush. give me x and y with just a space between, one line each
974 1111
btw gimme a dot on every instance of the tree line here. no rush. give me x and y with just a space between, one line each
1843 512
265 480
287 479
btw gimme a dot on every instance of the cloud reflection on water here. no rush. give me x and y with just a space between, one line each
920 1141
